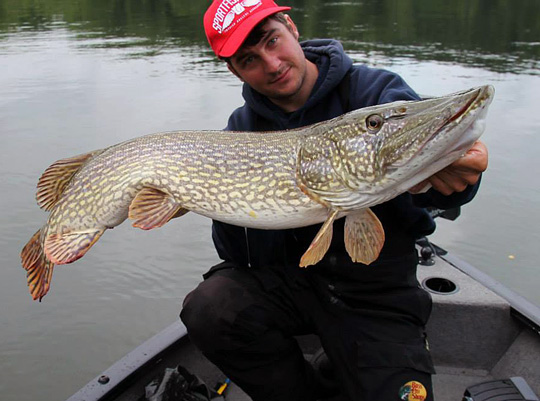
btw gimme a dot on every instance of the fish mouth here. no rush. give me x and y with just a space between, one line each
469 134
464 108
478 98
454 118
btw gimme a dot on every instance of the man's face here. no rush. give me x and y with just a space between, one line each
274 67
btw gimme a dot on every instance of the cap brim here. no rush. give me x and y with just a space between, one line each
242 32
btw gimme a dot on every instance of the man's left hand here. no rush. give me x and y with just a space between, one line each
461 173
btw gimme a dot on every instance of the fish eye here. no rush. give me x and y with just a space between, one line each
374 122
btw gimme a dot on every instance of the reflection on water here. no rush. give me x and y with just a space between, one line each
499 35
81 75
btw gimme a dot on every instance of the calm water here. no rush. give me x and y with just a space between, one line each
80 75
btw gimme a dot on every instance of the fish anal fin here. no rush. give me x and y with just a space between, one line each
364 236
320 244
63 248
39 269
53 181
152 208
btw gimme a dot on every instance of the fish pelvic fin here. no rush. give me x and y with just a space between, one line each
39 269
63 248
152 208
320 244
54 180
364 236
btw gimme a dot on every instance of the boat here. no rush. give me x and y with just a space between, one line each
484 339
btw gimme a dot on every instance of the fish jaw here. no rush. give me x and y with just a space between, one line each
463 122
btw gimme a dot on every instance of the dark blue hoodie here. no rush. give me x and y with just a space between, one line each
403 218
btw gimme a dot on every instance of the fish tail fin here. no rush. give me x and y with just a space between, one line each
38 267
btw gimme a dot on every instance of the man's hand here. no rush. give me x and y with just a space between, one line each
461 173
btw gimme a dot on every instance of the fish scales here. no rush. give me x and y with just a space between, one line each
265 180
213 174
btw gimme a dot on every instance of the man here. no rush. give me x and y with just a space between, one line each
370 319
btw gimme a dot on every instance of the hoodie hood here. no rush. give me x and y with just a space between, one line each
332 63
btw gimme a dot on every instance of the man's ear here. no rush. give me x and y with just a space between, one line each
233 70
292 27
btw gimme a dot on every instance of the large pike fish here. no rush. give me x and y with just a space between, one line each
270 180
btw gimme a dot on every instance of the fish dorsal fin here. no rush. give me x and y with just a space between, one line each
39 269
364 236
320 244
62 248
152 208
53 181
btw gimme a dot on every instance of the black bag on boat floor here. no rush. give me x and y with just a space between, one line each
178 385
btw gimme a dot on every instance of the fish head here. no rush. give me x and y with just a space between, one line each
372 154
417 139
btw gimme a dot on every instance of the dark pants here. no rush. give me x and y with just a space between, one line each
244 320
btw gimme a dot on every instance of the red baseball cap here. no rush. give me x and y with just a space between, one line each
227 23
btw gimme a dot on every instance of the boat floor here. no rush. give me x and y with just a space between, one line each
449 385
449 382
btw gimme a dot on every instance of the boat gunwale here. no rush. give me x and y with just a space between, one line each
121 373
521 308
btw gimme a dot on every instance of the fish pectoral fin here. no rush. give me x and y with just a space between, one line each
39 269
320 244
364 236
152 208
53 181
63 248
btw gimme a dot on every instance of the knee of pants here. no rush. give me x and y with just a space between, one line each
387 370
210 312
